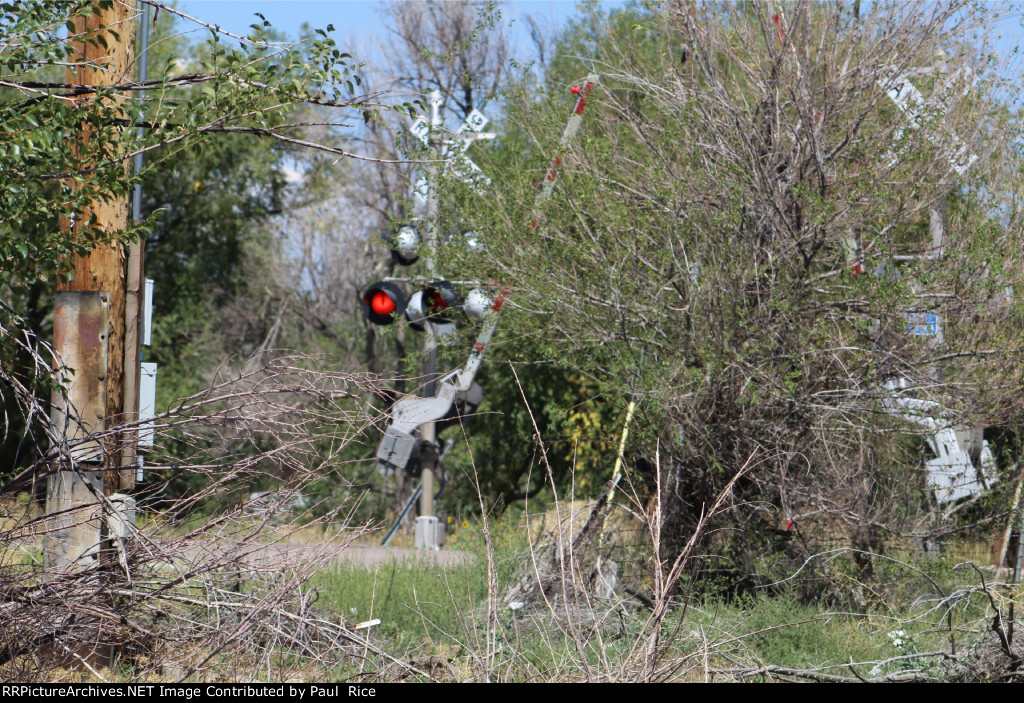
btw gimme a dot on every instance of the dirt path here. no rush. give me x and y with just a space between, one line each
372 556
366 556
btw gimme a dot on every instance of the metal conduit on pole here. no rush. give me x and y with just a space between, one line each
1020 549
135 292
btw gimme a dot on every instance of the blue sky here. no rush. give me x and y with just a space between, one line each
354 18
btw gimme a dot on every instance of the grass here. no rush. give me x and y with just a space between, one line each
421 605
413 598
784 631
426 610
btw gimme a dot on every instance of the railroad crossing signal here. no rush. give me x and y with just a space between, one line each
383 302
410 414
404 244
433 303
963 463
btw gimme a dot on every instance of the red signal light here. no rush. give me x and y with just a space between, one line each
382 304
437 303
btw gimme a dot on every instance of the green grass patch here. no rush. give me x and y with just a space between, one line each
418 602
414 599
783 631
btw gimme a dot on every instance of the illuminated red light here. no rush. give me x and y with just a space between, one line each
382 304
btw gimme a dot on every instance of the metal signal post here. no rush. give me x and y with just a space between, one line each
427 526
426 523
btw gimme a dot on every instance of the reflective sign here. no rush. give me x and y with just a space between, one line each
925 323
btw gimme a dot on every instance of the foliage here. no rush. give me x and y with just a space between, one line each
248 87
64 147
701 254
418 600
928 631
221 121
737 238
166 583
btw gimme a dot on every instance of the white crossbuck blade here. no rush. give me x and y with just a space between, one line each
454 151
917 112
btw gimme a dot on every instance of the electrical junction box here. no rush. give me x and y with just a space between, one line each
430 532
395 450
147 403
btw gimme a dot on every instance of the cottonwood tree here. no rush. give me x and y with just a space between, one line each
242 85
234 87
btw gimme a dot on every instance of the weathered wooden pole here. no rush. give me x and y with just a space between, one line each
90 327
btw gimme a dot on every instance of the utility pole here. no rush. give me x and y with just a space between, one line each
91 332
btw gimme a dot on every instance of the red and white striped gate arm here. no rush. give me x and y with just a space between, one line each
464 376
571 128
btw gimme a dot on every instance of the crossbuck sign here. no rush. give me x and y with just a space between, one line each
915 108
454 150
